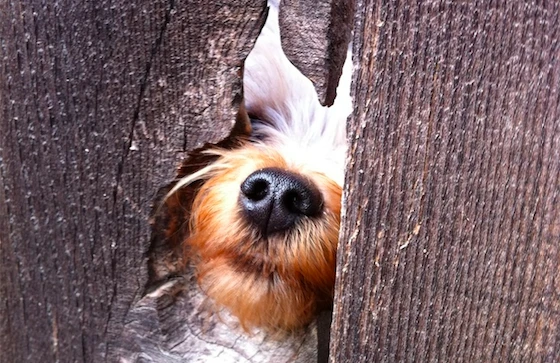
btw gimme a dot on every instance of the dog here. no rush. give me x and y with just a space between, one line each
265 214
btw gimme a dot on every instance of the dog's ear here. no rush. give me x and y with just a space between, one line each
171 213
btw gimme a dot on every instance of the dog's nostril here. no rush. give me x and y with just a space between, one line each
274 199
255 188
302 200
292 201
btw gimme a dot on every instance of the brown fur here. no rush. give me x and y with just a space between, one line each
278 282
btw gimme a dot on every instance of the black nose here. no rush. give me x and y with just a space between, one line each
274 199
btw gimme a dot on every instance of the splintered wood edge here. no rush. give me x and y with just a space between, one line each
227 121
315 36
176 323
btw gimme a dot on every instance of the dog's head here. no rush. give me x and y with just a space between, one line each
265 214
263 236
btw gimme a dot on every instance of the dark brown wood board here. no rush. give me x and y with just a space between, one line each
315 37
99 101
450 247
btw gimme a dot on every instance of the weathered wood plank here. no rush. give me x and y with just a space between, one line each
315 37
450 249
98 103
175 323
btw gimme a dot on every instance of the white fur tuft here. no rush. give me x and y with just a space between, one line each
290 117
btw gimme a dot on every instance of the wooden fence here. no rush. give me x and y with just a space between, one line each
450 242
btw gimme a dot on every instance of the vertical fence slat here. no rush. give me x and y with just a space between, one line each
450 248
98 103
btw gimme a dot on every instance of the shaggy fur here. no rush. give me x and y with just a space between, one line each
277 281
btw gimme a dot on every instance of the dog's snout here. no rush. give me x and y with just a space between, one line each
274 199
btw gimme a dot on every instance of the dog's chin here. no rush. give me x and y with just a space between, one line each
275 280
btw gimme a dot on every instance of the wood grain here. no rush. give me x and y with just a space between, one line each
98 103
174 323
315 37
450 249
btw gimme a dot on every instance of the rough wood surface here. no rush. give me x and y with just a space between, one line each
450 250
98 103
315 37
175 324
